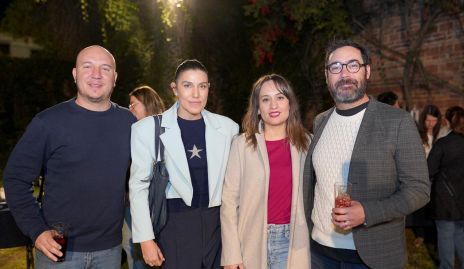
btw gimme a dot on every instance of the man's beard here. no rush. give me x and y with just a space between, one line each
345 96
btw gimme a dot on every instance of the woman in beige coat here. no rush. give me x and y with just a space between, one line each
262 217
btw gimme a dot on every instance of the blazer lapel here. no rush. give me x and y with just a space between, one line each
262 154
216 144
172 141
317 135
363 137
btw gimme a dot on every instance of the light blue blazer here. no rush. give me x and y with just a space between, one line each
219 131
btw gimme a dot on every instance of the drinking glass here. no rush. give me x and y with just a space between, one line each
342 194
60 235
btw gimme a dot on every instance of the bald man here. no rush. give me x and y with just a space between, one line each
82 148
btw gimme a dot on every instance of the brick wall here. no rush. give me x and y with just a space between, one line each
442 56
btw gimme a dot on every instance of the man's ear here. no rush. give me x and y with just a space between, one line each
74 74
368 71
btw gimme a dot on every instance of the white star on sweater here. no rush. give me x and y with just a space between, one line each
195 152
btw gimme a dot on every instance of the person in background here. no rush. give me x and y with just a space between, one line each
389 98
82 148
423 227
446 171
144 102
262 187
197 144
377 149
429 126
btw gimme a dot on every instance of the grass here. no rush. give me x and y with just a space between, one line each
418 256
14 258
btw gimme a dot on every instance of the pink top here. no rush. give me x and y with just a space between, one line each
280 182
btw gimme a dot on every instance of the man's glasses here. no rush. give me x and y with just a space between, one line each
352 66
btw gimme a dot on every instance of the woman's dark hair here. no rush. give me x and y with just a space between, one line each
296 133
149 98
191 64
455 116
434 112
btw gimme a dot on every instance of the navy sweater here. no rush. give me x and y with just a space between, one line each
84 156
193 138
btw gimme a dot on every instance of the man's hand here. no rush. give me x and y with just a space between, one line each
152 253
48 246
349 217
235 266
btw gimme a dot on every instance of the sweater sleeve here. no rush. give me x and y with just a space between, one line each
24 167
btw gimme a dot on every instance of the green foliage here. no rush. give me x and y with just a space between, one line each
290 36
292 20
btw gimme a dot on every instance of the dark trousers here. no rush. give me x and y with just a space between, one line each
191 238
320 261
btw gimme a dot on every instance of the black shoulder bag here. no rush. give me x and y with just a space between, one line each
159 181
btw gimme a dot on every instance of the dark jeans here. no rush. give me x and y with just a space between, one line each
320 261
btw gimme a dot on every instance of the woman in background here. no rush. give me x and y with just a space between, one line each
429 126
144 102
446 169
262 216
196 148
423 227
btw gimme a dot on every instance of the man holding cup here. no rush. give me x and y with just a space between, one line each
376 151
82 148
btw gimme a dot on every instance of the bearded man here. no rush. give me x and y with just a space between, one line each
377 150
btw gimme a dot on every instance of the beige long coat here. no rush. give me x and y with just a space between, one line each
244 208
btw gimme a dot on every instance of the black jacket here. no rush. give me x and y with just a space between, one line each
446 168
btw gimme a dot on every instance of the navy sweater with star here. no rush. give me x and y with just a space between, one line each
193 138
84 156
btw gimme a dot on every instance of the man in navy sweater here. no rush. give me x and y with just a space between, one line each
82 148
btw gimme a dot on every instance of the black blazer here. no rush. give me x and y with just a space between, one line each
446 168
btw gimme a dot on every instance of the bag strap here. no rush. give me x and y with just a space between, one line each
159 147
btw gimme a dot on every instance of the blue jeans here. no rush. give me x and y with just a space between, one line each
133 251
277 245
450 238
102 259
319 261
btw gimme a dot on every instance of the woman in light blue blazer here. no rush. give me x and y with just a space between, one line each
197 144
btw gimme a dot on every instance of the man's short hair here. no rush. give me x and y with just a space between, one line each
387 98
336 44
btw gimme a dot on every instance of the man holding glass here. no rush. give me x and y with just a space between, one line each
82 148
376 150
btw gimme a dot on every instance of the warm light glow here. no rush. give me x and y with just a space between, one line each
175 3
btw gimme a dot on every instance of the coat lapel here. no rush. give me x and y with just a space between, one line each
216 144
172 141
319 128
364 134
261 150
